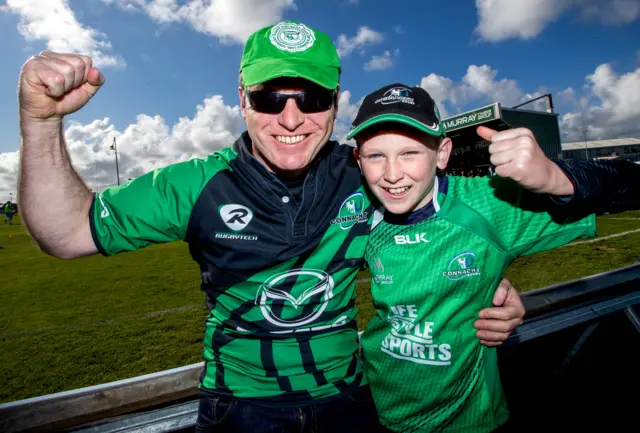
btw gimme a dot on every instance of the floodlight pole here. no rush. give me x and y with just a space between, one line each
586 149
114 147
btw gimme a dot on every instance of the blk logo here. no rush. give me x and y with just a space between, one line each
413 239
235 216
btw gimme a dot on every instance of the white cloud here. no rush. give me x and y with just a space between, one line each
54 22
346 113
347 110
230 20
479 86
441 89
364 37
142 146
127 5
609 108
499 20
379 63
607 104
567 95
611 12
8 175
524 19
480 83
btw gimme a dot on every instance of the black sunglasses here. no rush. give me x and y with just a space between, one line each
273 102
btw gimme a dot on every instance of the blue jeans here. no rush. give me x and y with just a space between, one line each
354 413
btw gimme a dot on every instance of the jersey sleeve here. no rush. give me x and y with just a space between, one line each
523 221
153 208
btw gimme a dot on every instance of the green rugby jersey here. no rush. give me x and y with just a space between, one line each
278 267
431 275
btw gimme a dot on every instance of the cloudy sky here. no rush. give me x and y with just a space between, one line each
171 66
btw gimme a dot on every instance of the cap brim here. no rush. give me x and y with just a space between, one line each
260 72
397 118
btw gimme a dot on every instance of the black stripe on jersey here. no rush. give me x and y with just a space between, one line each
277 306
346 388
269 364
353 365
219 340
309 362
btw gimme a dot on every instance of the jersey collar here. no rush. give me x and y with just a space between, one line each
441 186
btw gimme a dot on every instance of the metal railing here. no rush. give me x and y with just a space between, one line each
73 408
167 400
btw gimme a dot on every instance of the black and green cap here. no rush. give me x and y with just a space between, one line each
412 106
290 49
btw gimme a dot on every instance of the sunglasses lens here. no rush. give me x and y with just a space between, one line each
315 102
266 102
271 102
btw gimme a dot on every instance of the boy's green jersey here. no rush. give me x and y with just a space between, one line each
430 278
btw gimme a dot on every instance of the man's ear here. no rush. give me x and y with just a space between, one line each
335 112
243 102
444 151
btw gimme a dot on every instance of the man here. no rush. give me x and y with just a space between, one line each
267 220
8 212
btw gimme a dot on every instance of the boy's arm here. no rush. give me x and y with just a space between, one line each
576 188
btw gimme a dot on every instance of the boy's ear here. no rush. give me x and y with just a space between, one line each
356 154
444 151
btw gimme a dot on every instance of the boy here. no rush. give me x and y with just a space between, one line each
425 367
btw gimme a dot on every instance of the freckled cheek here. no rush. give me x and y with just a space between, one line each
372 175
420 172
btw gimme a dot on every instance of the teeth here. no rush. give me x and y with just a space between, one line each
398 190
289 140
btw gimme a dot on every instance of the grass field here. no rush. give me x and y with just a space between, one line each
70 324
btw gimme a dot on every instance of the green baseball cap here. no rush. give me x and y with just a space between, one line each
290 49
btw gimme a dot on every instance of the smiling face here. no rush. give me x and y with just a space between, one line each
288 141
399 165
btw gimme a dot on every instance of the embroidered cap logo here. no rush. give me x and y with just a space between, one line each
292 37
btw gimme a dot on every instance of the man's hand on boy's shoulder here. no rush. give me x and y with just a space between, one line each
515 153
496 323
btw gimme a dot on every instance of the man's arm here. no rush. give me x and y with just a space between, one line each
54 201
601 186
576 188
495 324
